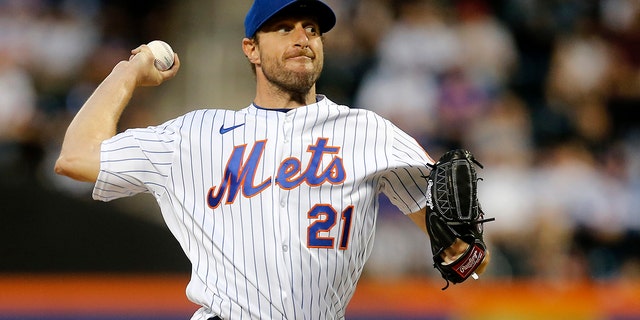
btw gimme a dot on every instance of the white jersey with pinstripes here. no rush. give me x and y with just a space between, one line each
276 210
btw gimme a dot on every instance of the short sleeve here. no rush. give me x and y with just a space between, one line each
135 161
405 182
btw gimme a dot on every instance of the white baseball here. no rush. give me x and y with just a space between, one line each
163 53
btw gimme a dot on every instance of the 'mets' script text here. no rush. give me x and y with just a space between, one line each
240 173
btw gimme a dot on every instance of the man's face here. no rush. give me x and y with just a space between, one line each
291 53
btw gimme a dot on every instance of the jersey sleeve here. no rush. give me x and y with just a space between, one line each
135 161
405 183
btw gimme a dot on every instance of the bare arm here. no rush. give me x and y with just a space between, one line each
98 118
419 218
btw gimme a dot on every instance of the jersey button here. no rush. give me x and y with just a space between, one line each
283 203
285 248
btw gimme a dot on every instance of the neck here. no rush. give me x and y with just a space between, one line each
284 100
271 96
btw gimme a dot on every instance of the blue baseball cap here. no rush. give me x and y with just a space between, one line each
263 10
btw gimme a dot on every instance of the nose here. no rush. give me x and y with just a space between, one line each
300 36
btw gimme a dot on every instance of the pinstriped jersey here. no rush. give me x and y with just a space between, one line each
276 210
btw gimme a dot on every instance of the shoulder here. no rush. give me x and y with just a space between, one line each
383 127
197 118
354 111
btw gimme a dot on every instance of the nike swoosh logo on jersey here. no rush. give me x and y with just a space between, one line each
224 130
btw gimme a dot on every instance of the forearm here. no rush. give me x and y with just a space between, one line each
418 218
96 121
98 118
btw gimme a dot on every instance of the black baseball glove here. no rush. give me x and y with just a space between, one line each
452 197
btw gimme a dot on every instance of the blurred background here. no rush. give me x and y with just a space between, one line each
545 93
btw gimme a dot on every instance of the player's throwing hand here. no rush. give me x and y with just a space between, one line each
142 61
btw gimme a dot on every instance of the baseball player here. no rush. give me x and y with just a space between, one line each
275 204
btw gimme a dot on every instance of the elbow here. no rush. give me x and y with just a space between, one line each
75 169
62 167
58 168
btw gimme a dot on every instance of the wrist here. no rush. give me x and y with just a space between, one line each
125 73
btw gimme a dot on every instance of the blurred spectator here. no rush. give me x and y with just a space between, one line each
17 111
461 101
418 48
488 50
351 47
621 19
579 80
17 99
502 135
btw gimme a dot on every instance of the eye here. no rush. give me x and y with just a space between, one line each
312 30
283 28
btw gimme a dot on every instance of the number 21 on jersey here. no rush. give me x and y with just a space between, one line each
326 218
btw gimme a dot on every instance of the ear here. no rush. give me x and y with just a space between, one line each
251 50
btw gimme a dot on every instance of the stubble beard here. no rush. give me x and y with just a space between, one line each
295 83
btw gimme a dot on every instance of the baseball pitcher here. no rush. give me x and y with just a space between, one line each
275 205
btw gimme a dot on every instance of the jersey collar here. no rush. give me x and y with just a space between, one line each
319 97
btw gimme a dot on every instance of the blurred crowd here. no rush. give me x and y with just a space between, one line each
544 93
53 53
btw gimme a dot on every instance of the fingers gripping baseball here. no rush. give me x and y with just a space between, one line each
143 60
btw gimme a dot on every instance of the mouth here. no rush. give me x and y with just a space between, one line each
302 58
303 55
